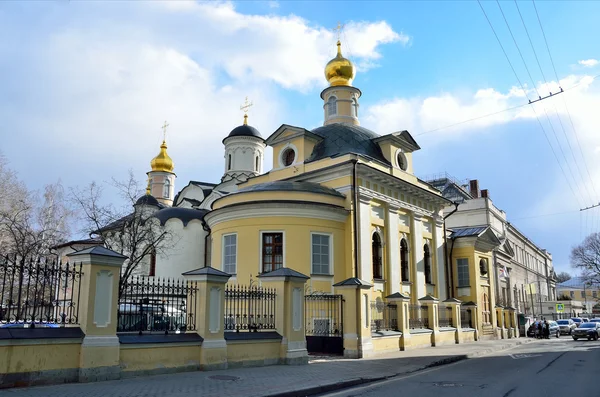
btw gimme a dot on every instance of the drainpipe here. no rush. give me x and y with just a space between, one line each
356 210
450 285
207 229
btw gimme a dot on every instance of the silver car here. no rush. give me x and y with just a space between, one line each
566 326
587 330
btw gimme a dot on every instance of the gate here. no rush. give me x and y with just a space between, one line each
324 323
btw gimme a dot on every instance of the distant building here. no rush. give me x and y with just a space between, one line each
580 289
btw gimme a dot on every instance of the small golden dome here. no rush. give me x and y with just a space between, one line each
339 71
162 162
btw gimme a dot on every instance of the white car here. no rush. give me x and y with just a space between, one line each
566 326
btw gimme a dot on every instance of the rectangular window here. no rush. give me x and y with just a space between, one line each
572 293
583 294
595 294
321 254
230 253
462 266
272 251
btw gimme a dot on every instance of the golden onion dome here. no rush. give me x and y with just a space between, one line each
339 71
162 162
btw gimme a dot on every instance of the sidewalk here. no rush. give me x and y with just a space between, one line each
321 375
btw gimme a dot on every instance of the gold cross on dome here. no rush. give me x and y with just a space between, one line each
245 108
164 128
338 30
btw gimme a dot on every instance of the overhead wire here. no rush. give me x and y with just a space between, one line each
532 107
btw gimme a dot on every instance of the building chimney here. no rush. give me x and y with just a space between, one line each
484 193
474 188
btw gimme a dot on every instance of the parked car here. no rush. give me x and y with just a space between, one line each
28 325
554 328
577 321
585 320
566 326
594 320
587 330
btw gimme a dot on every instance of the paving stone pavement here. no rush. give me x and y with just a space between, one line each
322 374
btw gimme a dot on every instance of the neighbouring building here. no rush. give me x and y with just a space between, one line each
579 289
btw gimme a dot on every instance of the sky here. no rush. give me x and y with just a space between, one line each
86 86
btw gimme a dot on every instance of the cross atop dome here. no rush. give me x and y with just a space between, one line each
245 108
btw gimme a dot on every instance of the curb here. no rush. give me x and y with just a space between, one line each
315 390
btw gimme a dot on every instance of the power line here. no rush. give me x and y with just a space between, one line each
532 47
532 107
545 215
546 41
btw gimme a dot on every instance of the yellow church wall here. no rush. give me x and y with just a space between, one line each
270 196
386 344
140 359
39 356
418 340
253 353
297 244
445 338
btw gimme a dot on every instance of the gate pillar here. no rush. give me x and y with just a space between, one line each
357 325
403 325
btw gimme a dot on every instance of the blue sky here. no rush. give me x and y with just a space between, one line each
87 85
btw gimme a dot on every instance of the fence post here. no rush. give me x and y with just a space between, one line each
356 316
500 320
454 305
98 302
210 309
432 304
289 313
403 317
472 307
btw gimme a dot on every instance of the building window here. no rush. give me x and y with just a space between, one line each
377 261
332 106
483 267
583 294
272 251
355 107
401 160
462 271
404 260
288 156
595 294
427 263
321 254
572 294
228 162
230 253
152 271
256 164
167 188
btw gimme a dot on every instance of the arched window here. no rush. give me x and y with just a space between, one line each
483 268
427 263
332 106
404 260
256 164
354 107
228 162
167 188
377 262
152 271
288 157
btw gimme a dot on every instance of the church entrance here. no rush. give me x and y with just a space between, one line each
324 323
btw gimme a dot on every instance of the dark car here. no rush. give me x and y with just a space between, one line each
587 330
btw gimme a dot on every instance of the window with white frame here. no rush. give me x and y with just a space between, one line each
167 188
332 106
230 253
462 271
321 254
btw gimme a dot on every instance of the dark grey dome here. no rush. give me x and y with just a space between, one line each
183 214
287 186
244 130
340 139
147 199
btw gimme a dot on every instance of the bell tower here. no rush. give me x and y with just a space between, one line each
161 178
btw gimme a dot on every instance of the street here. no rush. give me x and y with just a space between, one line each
549 367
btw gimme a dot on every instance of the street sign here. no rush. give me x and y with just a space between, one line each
560 307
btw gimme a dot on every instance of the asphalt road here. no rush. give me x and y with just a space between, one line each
555 367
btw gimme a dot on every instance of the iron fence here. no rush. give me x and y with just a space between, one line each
418 316
445 317
249 308
39 293
149 304
466 319
384 316
324 315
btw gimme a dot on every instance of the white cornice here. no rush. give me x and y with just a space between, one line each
371 194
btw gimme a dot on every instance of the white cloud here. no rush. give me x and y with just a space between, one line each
588 62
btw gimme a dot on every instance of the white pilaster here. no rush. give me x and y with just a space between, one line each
393 249
438 242
417 256
365 240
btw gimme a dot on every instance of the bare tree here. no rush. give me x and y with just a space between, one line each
586 258
130 230
562 277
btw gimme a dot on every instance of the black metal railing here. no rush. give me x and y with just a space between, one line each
149 304
445 317
324 315
466 319
384 316
418 316
39 293
249 308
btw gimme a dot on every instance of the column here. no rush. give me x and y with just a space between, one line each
393 249
500 320
403 316
418 271
365 241
432 314
210 309
357 324
472 307
438 242
98 302
454 305
289 313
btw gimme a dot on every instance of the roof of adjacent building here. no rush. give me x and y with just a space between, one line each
183 214
467 231
147 199
244 130
288 186
340 139
577 283
95 241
